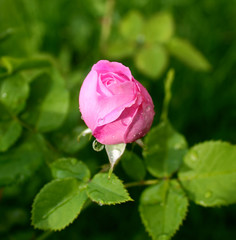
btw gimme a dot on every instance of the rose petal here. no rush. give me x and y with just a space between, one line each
113 133
88 99
141 123
116 107
143 92
104 66
97 109
102 89
110 108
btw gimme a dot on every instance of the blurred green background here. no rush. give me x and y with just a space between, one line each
76 34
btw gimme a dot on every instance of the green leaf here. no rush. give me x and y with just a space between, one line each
22 161
14 92
58 204
70 167
10 131
28 31
48 102
104 190
5 114
163 208
133 166
164 150
152 60
131 26
119 49
159 28
209 173
188 54
9 65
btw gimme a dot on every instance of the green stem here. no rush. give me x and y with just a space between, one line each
44 235
106 24
168 83
142 183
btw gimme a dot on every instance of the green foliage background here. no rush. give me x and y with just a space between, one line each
63 39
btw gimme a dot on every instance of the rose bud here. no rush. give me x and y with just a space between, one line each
115 106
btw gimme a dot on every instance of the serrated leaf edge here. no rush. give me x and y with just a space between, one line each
176 230
32 212
51 165
109 202
184 189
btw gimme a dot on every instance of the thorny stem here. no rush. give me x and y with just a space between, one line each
142 183
106 24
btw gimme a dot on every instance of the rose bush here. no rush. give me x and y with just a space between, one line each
115 106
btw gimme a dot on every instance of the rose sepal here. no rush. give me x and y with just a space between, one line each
114 153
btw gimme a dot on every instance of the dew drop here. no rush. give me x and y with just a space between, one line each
178 146
97 146
163 237
148 109
208 194
126 121
100 121
4 95
100 204
202 203
162 204
194 156
82 117
73 161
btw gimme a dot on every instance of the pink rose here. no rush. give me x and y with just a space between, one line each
115 106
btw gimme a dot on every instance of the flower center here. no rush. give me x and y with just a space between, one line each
110 81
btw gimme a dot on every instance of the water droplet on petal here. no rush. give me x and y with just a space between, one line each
148 108
126 121
208 194
100 121
140 99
